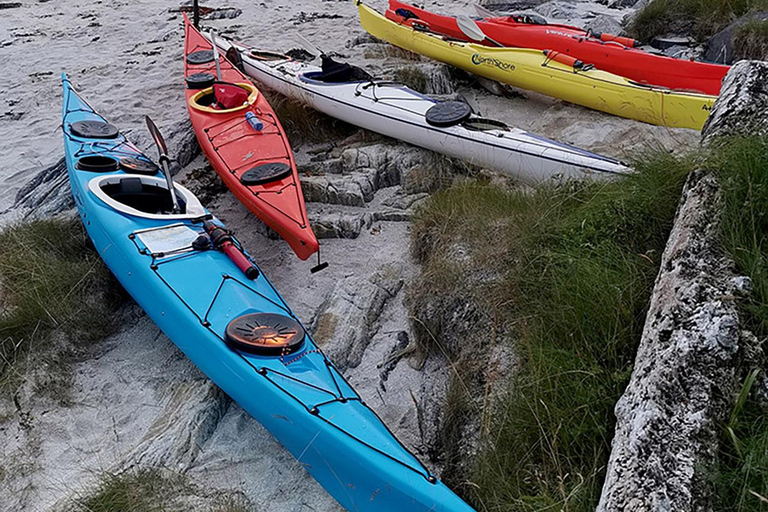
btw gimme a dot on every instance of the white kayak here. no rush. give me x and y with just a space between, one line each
348 93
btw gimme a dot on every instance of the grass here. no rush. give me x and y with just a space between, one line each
55 294
562 274
701 18
750 41
741 478
153 490
412 77
305 124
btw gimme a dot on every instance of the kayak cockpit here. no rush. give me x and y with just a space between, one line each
144 196
334 72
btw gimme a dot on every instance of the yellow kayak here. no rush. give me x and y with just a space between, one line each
532 70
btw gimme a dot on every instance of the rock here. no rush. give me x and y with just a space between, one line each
189 415
46 194
335 224
346 321
686 373
226 13
720 47
605 24
557 9
743 102
617 4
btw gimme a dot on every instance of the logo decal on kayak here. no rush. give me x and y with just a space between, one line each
479 60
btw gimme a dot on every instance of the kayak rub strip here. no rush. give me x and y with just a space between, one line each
534 71
396 111
235 327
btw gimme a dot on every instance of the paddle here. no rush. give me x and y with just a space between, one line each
311 46
164 160
196 14
216 55
472 31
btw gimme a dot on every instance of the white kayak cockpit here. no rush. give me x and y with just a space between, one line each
144 196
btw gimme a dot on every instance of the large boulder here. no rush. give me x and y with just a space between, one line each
721 48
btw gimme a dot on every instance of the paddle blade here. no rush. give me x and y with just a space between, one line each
311 47
161 147
470 28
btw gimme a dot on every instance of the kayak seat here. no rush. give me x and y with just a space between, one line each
147 198
338 72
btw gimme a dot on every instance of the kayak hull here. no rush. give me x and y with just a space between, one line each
399 112
192 295
233 148
531 70
631 63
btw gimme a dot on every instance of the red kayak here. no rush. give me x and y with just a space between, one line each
245 143
614 54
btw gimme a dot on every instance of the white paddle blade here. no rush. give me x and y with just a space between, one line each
472 31
469 28
216 55
311 47
485 13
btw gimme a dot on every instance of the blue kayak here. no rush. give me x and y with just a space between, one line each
182 268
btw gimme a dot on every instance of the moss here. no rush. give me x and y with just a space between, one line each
56 296
563 275
305 124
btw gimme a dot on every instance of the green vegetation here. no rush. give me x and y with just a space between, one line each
750 41
412 77
741 479
152 490
562 275
305 124
55 294
701 18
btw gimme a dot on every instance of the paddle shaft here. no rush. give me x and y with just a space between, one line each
167 173
216 55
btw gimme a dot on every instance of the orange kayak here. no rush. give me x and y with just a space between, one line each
246 145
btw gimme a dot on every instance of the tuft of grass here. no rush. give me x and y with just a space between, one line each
305 124
412 77
563 274
701 18
154 490
750 41
741 477
55 293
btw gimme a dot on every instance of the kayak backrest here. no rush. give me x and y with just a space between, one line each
144 196
338 72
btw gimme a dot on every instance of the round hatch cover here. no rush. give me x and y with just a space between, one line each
96 163
448 113
200 80
265 173
134 165
265 334
200 57
93 130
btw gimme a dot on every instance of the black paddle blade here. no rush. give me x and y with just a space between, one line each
161 147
